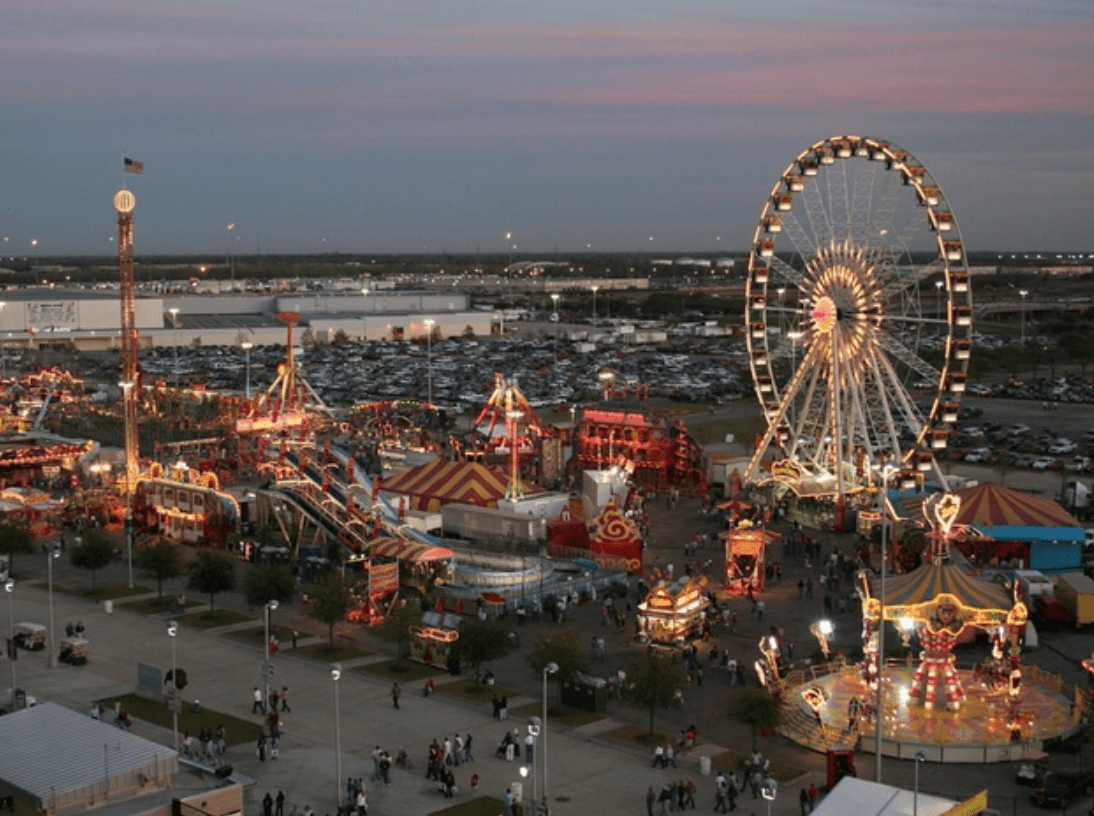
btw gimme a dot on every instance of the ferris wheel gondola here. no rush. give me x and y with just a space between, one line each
858 318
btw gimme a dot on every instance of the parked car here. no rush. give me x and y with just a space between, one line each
1062 447
1078 463
1058 788
978 455
1043 463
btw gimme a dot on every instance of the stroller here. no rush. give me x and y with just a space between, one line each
506 748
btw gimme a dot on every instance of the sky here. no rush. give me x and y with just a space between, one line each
396 126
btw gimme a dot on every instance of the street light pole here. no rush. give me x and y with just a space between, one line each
429 358
9 587
270 607
336 675
880 708
550 668
53 552
4 347
172 631
247 354
554 298
919 757
175 340
595 288
1023 293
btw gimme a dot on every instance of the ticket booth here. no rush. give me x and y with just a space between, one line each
841 763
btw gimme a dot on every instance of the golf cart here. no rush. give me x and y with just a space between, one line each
73 651
30 636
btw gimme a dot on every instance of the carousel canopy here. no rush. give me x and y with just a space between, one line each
1009 515
931 580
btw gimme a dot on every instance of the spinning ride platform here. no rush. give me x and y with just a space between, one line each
983 730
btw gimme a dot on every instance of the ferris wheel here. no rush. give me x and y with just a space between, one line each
858 318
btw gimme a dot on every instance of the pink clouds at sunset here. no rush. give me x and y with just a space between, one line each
487 98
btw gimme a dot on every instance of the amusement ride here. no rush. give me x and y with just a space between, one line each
844 324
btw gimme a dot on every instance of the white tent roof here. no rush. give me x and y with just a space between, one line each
61 757
858 797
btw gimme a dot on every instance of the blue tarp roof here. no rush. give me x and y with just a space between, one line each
1010 532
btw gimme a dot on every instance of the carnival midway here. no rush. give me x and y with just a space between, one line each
514 517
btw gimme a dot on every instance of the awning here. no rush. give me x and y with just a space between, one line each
408 551
492 598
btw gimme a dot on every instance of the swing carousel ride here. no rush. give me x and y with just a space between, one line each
992 712
855 362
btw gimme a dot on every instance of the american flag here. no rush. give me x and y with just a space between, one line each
131 166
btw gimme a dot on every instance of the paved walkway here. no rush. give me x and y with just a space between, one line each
587 770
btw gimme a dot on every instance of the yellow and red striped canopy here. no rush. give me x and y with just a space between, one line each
430 486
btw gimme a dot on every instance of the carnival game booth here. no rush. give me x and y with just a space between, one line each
433 641
746 548
670 618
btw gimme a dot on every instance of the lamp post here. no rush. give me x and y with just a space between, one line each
938 284
175 340
53 552
550 668
554 318
267 669
595 288
769 795
879 713
9 587
364 324
1023 293
37 272
4 347
336 675
247 355
919 757
231 256
429 358
172 632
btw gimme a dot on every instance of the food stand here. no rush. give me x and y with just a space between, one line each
667 618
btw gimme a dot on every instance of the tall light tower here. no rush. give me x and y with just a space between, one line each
1024 293
247 346
429 359
125 202
595 289
175 339
554 318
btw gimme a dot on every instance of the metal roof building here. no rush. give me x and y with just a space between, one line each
60 761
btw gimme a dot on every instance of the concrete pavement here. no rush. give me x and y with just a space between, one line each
587 771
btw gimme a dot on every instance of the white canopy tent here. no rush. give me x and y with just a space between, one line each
858 797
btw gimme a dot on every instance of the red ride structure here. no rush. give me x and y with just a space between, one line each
622 429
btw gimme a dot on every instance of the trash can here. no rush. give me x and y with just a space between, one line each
704 766
518 791
108 605
20 699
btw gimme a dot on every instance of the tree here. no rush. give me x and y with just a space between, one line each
562 649
15 538
483 641
212 572
331 602
161 561
755 707
653 682
93 553
269 582
396 626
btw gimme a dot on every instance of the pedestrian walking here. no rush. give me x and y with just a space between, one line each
267 805
285 699
260 748
279 804
395 692
803 801
259 704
